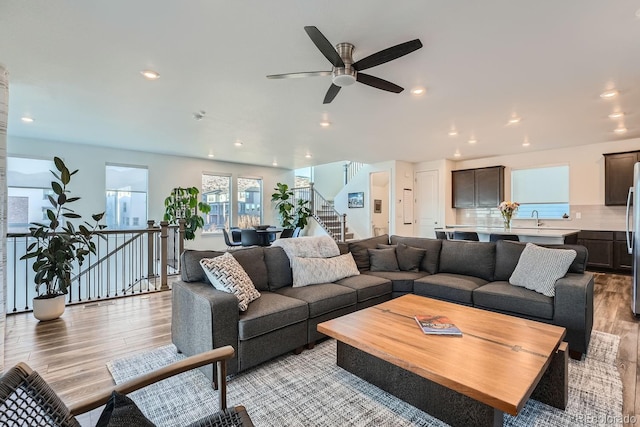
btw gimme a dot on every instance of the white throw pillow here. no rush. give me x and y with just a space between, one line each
226 274
311 271
538 268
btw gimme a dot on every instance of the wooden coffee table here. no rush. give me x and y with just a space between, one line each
498 363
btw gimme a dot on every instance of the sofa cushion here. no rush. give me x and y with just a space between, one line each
311 271
367 286
252 260
271 312
401 281
409 258
508 254
383 260
190 268
359 249
539 268
227 275
322 298
278 270
505 297
449 287
468 258
432 258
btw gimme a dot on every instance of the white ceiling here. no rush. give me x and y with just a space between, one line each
74 66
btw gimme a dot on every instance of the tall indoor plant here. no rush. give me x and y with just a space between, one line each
183 203
293 213
58 245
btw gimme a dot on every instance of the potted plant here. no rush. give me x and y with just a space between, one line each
293 213
58 246
183 203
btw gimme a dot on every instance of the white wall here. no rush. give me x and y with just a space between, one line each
165 173
381 192
328 179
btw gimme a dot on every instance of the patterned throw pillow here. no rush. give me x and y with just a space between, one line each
311 271
226 274
538 268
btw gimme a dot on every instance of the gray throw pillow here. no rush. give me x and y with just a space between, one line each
383 260
409 258
538 268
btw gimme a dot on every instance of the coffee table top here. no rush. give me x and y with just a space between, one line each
498 360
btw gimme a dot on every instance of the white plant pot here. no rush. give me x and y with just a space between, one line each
48 308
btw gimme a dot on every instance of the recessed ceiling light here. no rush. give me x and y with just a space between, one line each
150 74
514 119
27 119
418 91
638 13
453 131
210 155
609 94
526 143
457 153
325 123
616 115
274 163
238 143
472 140
620 129
308 155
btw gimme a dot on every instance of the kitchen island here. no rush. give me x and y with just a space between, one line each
533 234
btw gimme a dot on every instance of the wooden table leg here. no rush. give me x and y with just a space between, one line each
553 388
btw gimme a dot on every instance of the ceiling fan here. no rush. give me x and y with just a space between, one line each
345 72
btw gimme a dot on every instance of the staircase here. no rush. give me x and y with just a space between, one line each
331 221
323 211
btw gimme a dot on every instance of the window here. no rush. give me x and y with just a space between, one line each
126 192
216 192
28 185
249 202
545 190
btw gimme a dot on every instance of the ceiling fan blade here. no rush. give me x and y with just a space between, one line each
331 93
298 75
324 46
388 54
378 83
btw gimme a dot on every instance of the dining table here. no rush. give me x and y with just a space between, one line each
268 235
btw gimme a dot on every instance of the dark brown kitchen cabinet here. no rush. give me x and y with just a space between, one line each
622 259
618 176
478 188
600 247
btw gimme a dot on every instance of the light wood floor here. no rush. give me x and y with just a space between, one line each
71 352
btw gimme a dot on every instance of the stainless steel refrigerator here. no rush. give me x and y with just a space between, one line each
633 236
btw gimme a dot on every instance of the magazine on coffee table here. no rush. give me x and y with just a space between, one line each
437 325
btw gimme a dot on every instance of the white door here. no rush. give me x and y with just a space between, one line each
427 199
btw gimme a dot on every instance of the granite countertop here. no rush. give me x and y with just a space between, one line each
540 231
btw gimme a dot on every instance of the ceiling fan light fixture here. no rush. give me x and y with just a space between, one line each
150 74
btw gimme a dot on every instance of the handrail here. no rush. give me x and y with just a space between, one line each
350 170
323 211
126 262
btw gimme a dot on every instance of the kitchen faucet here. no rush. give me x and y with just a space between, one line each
537 219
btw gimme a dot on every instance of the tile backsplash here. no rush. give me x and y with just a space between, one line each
592 217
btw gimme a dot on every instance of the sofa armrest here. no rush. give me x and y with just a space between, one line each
573 308
204 318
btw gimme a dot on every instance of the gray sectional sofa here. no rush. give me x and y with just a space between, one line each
284 318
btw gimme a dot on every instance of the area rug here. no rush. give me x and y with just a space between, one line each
310 390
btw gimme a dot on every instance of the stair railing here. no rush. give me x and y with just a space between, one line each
126 262
322 211
350 170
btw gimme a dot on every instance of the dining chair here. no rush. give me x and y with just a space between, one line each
235 234
250 237
230 243
286 233
497 236
466 235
